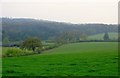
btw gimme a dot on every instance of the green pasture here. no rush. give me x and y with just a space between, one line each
77 59
112 36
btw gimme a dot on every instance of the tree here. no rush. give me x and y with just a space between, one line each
118 37
106 36
31 44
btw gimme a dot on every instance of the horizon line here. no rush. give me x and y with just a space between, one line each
59 21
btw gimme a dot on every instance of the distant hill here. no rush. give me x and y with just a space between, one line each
18 28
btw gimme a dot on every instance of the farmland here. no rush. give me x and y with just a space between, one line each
112 35
75 59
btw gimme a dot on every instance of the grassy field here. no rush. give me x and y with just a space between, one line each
112 36
77 59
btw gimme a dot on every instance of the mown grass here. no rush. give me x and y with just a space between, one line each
78 59
112 36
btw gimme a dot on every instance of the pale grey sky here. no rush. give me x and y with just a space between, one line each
74 11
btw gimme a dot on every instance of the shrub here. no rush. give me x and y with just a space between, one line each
50 47
38 50
10 52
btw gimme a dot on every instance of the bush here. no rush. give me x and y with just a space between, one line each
50 47
38 50
10 52
13 52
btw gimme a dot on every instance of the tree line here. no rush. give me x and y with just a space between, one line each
20 29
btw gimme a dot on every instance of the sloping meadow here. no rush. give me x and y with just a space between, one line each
77 59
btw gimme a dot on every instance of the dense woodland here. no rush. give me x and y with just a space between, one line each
18 29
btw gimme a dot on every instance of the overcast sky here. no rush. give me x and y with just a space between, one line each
74 11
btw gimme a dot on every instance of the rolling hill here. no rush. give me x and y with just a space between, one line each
17 29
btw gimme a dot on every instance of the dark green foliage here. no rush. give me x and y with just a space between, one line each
20 29
31 44
106 36
119 36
